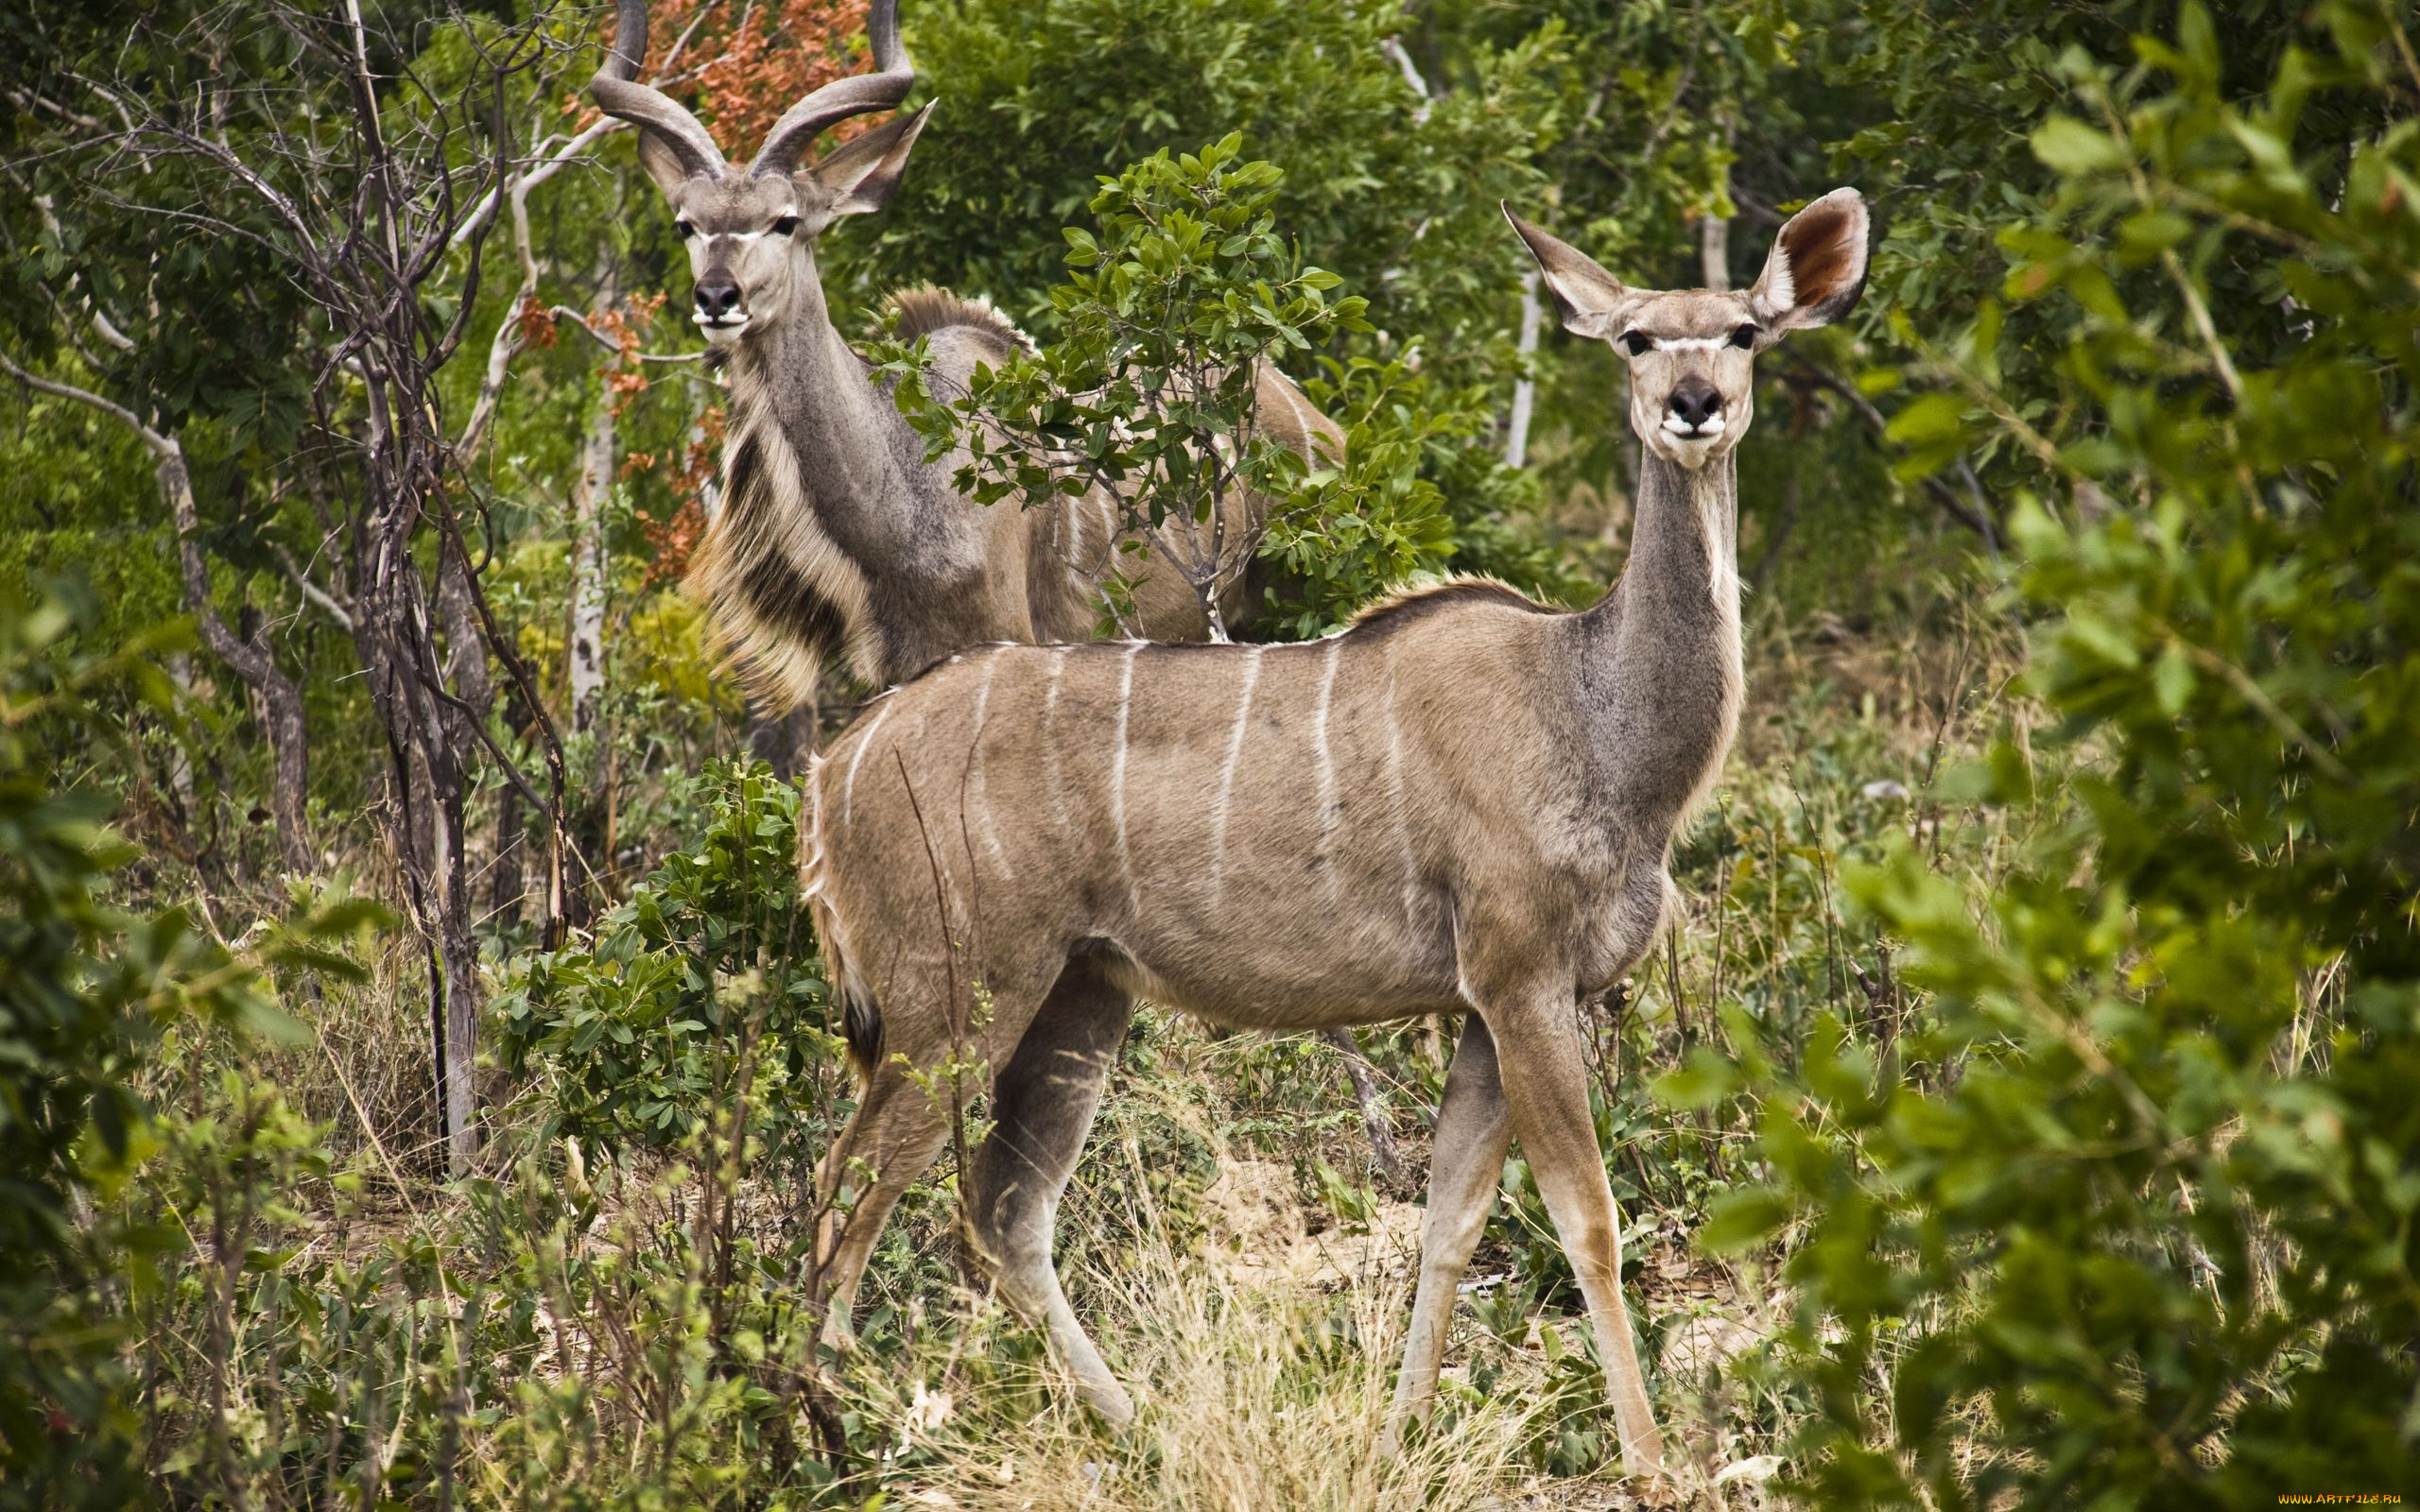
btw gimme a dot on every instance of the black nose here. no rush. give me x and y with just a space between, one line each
1695 401
717 302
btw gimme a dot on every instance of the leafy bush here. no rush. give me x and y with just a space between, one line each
618 1314
707 974
2143 1235
1168 310
87 990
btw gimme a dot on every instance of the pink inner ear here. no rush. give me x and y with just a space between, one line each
1821 245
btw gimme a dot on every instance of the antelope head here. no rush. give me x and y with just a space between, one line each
1691 351
750 231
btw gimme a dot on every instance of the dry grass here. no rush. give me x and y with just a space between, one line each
1250 1397
1262 1362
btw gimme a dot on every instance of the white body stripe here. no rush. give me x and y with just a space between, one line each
1117 774
1050 738
1397 803
1227 777
1326 758
849 783
975 773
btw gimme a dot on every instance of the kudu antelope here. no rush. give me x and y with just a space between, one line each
836 536
1463 804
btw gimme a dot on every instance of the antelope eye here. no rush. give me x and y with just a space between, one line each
785 226
685 229
1637 342
1745 337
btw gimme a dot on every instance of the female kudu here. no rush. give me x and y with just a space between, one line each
1465 802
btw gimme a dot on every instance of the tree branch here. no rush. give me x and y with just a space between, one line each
1978 519
253 663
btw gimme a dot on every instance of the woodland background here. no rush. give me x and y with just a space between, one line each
2021 1118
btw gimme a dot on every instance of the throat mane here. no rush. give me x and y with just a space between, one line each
782 595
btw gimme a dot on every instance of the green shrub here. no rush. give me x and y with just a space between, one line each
87 990
708 972
2147 1239
1183 289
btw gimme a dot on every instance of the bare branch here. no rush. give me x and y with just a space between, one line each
161 446
312 591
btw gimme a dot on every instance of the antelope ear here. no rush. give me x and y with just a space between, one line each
862 176
1592 299
1817 269
662 164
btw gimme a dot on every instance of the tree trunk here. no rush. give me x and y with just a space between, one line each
1525 389
392 633
180 760
1713 252
586 645
466 651
1714 232
281 701
460 949
509 879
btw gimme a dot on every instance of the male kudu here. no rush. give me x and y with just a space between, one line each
1465 802
836 536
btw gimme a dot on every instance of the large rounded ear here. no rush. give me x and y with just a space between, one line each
1592 299
1817 269
863 174
662 163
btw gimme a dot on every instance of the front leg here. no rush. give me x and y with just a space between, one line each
1473 1131
1543 1067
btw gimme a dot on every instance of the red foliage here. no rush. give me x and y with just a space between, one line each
743 65
671 542
537 324
748 64
626 325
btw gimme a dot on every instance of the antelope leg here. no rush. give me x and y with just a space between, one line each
1473 1130
896 1132
1546 1082
1042 1102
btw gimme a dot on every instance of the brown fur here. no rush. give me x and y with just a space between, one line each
1824 262
1409 605
1462 803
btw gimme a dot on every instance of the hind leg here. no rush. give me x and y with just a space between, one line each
1043 1103
895 1134
1474 1131
901 1126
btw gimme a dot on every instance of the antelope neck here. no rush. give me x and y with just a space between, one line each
1684 551
1659 663
850 442
861 475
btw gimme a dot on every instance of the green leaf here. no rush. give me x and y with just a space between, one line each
2068 145
1741 1219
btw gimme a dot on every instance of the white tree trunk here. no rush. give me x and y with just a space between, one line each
1525 390
1713 252
1714 235
587 642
